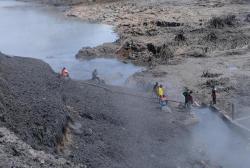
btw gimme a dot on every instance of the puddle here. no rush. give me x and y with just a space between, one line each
32 30
232 68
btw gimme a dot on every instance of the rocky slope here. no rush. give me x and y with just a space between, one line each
51 122
46 112
16 153
31 103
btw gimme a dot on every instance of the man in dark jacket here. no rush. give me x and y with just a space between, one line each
213 95
185 94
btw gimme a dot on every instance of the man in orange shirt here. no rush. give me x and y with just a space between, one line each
64 72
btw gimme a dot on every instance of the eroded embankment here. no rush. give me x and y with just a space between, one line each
166 32
31 103
42 110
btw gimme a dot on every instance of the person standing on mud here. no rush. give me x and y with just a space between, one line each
190 98
64 73
95 75
155 89
213 95
163 101
185 94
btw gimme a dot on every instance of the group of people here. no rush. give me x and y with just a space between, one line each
159 92
65 74
188 97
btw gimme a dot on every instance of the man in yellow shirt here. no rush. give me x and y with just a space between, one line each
160 91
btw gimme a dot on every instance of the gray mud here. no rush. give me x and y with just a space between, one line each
31 103
85 123
98 127
39 107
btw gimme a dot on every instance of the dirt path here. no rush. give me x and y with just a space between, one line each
140 134
154 136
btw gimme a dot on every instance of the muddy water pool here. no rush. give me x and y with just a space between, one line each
42 32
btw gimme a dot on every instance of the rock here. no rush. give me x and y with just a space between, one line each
221 22
165 53
2 110
247 18
88 132
207 74
87 51
162 23
105 50
196 52
42 161
87 116
1 135
211 36
14 151
152 48
25 156
134 45
130 49
180 37
29 115
221 83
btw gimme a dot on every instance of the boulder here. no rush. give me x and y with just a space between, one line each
247 18
221 22
162 23
105 50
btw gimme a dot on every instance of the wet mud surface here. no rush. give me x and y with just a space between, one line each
196 44
88 124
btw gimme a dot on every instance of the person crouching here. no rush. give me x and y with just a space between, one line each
64 73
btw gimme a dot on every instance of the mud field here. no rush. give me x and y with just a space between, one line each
88 124
66 123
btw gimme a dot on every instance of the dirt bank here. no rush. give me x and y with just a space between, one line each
43 110
31 103
16 153
153 33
